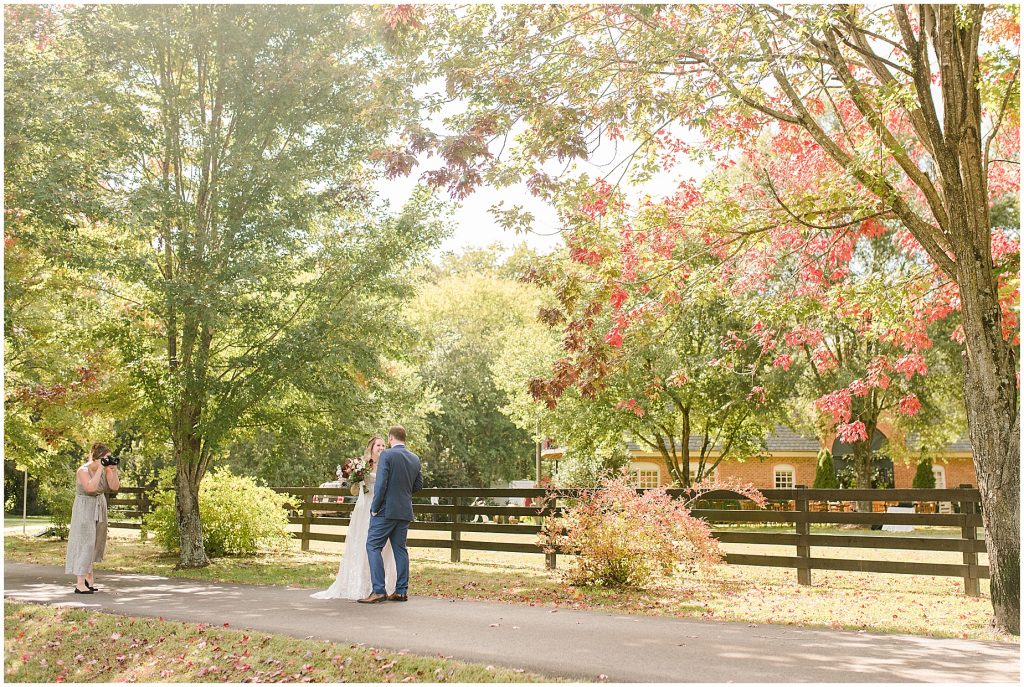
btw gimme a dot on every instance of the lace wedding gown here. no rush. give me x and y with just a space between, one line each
353 580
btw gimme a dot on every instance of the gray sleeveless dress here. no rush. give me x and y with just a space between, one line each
87 535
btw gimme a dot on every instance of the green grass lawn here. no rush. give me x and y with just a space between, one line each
52 644
933 606
32 521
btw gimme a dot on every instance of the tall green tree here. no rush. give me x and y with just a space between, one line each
62 386
466 313
825 471
294 448
231 209
924 477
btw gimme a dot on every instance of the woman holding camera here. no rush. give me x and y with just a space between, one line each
87 535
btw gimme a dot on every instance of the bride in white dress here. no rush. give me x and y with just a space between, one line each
353 580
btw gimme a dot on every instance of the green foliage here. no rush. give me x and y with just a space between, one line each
881 475
579 470
14 491
61 383
467 313
60 502
60 386
239 516
530 352
302 451
924 478
825 471
207 209
59 498
286 460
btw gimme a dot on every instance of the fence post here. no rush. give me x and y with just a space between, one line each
969 533
307 520
456 530
143 511
550 559
803 529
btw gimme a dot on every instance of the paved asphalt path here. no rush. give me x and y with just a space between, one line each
579 645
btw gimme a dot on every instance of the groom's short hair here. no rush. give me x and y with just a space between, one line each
398 432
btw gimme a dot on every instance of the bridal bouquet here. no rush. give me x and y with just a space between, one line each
355 471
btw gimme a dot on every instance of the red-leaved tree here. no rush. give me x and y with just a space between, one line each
850 121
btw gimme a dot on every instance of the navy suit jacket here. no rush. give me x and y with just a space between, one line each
398 476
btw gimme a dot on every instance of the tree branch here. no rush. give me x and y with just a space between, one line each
999 118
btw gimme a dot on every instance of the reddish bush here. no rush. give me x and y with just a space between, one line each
622 538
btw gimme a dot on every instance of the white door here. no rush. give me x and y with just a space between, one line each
940 483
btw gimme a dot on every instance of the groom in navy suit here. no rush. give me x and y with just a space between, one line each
398 476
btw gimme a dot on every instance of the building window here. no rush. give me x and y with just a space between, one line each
785 477
645 475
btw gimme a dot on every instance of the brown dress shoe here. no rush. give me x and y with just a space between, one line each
373 599
398 597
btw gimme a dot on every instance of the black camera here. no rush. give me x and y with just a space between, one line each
110 460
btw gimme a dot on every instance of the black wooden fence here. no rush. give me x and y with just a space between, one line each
129 506
454 510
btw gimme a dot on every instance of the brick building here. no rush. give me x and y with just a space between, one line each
791 459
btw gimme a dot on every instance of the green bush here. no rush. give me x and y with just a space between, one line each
239 516
581 470
825 472
58 493
924 478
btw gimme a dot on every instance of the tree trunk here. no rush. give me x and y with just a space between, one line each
990 368
862 468
681 460
990 391
190 529
188 474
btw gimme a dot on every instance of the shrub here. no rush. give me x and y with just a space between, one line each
239 516
624 539
825 472
58 493
579 469
924 478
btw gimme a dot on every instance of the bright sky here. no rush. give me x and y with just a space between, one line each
474 226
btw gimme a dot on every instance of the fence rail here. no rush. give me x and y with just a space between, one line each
463 511
132 503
